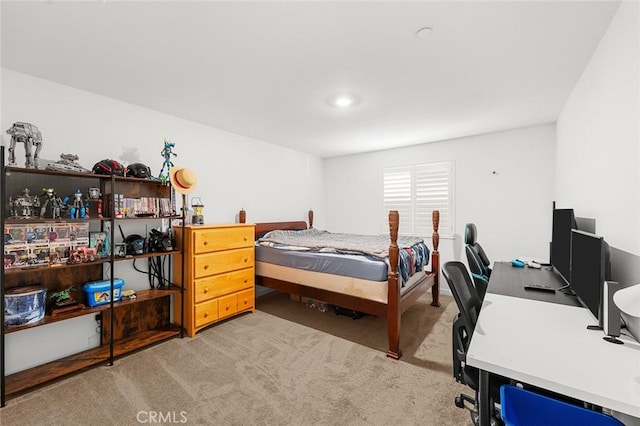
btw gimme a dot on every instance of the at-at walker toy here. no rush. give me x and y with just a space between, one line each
167 153
30 136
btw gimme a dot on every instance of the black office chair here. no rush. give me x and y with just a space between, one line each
464 323
478 261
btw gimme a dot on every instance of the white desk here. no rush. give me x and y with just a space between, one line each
547 345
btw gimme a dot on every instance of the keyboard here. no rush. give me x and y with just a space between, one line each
539 287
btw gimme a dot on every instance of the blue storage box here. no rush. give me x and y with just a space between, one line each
520 407
99 292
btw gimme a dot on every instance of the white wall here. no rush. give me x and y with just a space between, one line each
268 181
512 208
598 154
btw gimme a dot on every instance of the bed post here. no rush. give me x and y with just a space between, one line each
310 215
393 290
435 259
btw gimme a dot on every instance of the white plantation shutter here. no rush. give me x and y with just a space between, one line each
416 191
398 196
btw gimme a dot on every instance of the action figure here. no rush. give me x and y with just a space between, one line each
167 153
29 135
79 207
52 202
24 205
94 195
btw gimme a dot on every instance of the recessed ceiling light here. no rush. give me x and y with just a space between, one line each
424 32
343 100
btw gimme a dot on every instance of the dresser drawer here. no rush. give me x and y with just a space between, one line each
208 240
206 313
223 261
228 305
219 285
246 299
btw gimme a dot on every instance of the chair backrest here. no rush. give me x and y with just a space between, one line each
477 259
464 293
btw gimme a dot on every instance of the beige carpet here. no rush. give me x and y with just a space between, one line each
284 365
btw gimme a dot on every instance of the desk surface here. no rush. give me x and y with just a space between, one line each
509 280
548 345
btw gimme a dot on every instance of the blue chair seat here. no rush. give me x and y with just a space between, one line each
520 407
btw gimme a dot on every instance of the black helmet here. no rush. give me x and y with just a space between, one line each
108 167
138 170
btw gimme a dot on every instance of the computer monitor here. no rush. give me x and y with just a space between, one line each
590 267
563 222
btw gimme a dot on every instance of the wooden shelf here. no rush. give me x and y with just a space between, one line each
38 268
124 326
141 296
25 380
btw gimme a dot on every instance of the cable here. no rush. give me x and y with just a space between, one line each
155 272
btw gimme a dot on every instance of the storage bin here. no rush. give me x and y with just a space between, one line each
99 292
520 407
24 305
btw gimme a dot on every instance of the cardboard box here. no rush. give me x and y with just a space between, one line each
38 253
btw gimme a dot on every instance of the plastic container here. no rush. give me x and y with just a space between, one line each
99 292
521 407
24 305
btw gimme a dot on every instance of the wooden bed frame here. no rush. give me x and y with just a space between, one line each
396 303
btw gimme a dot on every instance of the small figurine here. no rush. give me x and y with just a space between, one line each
63 297
51 202
79 207
167 153
24 205
30 136
94 195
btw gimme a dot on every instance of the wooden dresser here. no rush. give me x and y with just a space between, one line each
219 274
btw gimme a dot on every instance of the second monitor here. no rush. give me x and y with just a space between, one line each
590 267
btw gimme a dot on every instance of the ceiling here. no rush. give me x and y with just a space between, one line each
266 69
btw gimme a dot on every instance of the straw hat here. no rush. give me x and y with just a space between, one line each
183 180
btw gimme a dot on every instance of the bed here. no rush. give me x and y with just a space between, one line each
386 297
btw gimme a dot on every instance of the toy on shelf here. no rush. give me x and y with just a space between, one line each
167 152
68 163
79 206
94 196
51 204
30 136
24 206
64 302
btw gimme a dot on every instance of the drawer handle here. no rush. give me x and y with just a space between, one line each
245 238
206 243
206 314
206 291
246 280
226 308
206 266
246 260
245 302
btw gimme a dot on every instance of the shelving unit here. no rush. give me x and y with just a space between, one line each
125 326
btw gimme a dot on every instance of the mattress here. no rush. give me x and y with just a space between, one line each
355 266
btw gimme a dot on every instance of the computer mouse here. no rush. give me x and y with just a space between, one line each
518 263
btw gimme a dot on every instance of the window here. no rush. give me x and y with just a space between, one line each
415 191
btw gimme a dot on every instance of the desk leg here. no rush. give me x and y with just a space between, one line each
484 402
